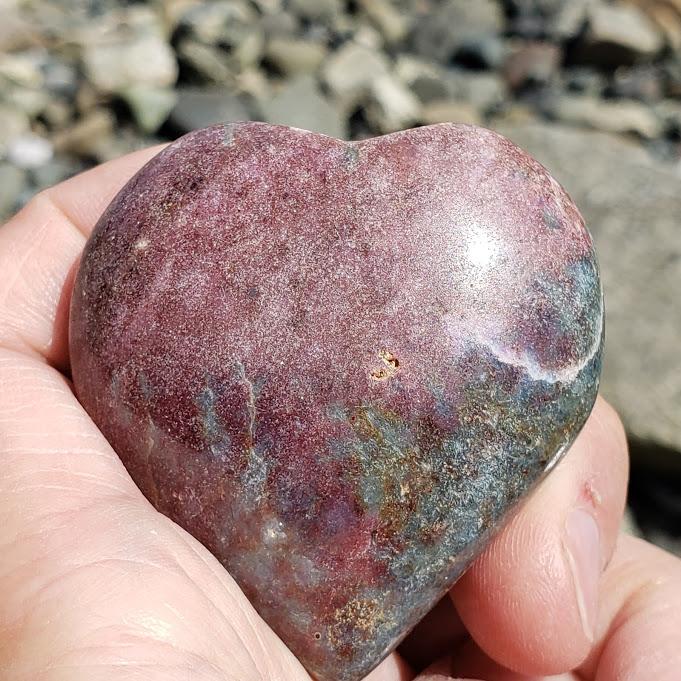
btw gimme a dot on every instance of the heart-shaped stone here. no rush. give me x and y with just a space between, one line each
339 365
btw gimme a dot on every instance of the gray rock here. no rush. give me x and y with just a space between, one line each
294 57
29 100
569 18
209 62
85 137
441 32
29 151
621 116
633 208
279 25
58 169
150 107
220 21
638 82
391 106
301 105
198 108
666 15
229 24
485 91
316 10
425 79
669 112
387 18
619 34
584 80
12 182
13 123
16 32
534 63
672 74
23 68
350 71
488 52
61 78
144 60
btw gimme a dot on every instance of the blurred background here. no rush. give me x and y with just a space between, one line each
592 88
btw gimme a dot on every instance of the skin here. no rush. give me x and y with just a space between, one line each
97 585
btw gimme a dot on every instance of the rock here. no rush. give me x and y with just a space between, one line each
368 36
125 141
532 64
485 91
392 24
58 169
672 77
350 71
449 112
142 61
569 19
300 104
280 25
316 10
208 62
85 136
619 34
441 32
633 208
253 85
16 32
669 112
13 123
173 11
584 80
29 151
12 182
391 106
488 52
638 82
294 57
199 108
425 79
666 15
58 113
150 107
219 22
23 69
391 343
610 116
230 25
61 78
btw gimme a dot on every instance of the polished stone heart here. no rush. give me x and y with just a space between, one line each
339 365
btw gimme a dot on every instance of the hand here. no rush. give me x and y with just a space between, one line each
97 586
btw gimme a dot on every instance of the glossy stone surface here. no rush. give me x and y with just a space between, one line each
339 365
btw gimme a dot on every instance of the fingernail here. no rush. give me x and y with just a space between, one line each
583 548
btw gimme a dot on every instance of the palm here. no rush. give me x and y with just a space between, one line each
100 585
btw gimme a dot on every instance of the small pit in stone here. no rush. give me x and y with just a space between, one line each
317 636
391 364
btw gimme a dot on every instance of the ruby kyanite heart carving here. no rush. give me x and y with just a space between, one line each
339 365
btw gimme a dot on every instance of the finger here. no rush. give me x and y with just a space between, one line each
530 601
469 662
38 249
638 635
